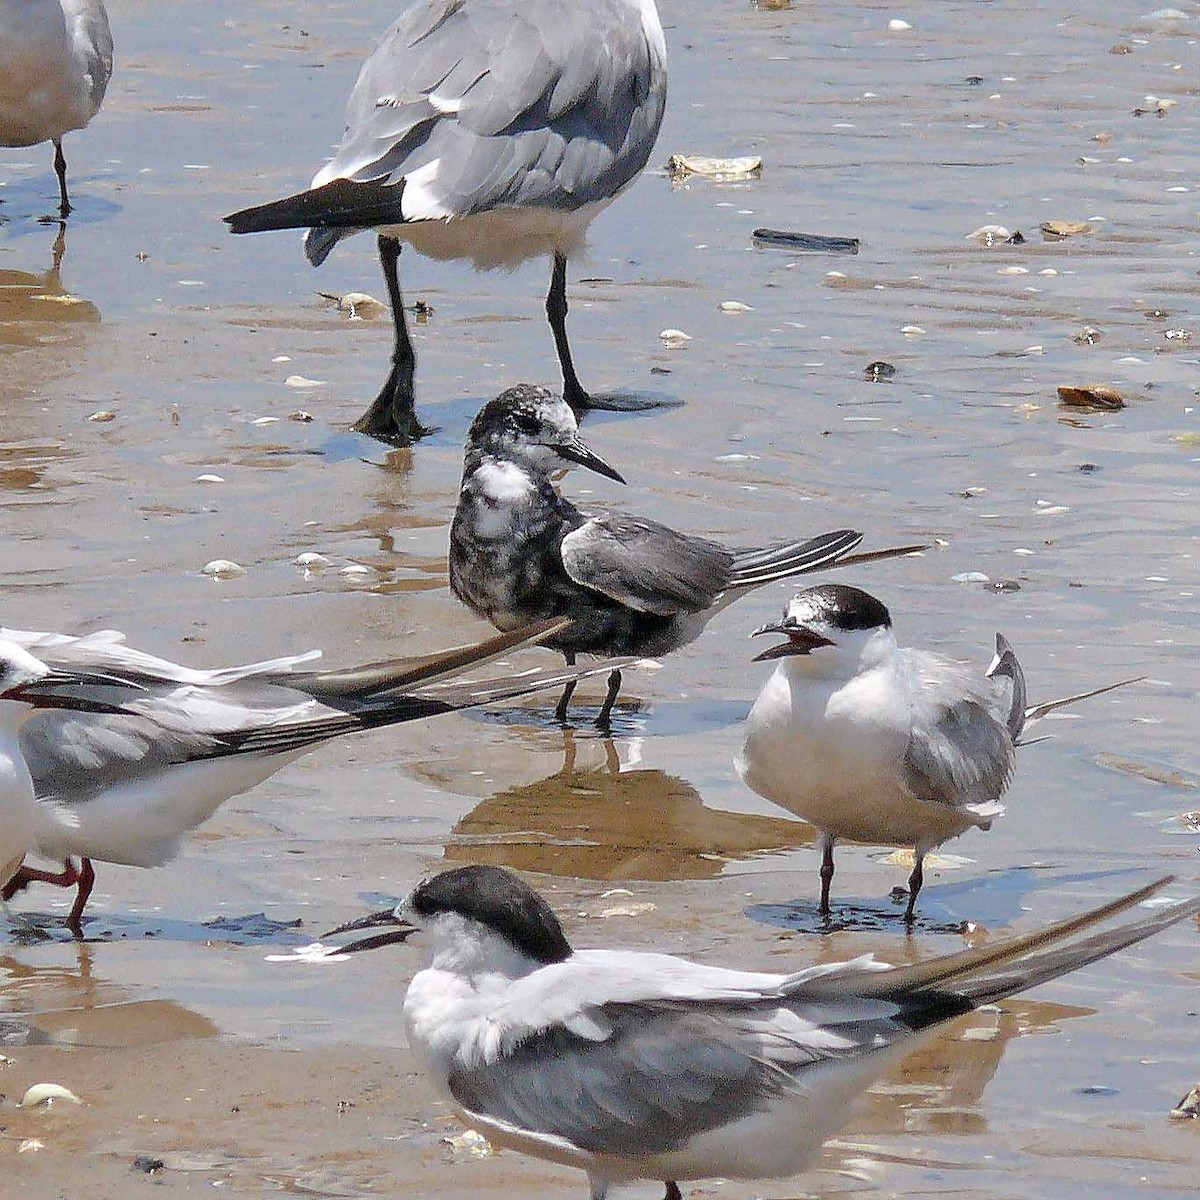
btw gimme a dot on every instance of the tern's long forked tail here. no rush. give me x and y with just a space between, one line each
933 990
379 680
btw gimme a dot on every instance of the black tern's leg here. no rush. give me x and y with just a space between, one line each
914 886
826 846
556 313
560 710
673 1192
392 416
60 169
604 718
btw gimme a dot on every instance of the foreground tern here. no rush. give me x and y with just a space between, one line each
21 678
520 551
633 1065
55 64
491 130
126 786
878 743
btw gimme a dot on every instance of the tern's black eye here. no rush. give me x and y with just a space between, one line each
526 423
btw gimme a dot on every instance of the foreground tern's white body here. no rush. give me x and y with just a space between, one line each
133 783
635 1065
55 64
878 743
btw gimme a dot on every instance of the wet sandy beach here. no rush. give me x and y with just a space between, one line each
184 1043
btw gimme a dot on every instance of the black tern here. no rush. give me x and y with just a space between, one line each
520 551
877 743
56 59
158 747
492 130
634 1065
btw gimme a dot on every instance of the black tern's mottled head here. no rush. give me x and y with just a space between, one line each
534 428
499 900
831 614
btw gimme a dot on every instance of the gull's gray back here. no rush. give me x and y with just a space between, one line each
555 103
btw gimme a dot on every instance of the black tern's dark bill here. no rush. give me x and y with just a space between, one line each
577 452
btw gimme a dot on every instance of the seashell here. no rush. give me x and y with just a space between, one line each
47 1093
682 165
222 568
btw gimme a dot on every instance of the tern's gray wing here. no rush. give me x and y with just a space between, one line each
93 40
664 1073
646 566
74 757
958 753
512 102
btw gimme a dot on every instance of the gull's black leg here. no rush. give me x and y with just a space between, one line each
60 169
392 416
556 313
914 886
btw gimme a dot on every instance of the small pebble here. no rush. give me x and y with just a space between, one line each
879 370
735 306
210 479
1002 585
674 335
102 415
301 381
969 577
311 559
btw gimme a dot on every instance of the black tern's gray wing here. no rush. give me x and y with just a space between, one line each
958 753
646 566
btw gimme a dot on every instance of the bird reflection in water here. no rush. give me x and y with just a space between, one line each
35 306
65 1002
598 817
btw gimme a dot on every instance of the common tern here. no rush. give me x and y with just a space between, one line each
634 1065
22 678
56 59
490 130
520 551
126 786
877 743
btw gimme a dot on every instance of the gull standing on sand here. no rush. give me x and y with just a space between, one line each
633 1065
491 130
55 64
879 743
167 745
520 551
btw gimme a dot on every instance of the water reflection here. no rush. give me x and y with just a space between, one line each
35 307
67 1004
596 817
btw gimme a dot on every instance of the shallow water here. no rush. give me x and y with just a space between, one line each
188 336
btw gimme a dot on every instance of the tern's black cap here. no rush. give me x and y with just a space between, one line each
845 607
502 901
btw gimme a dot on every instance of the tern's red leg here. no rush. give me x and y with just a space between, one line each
86 879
